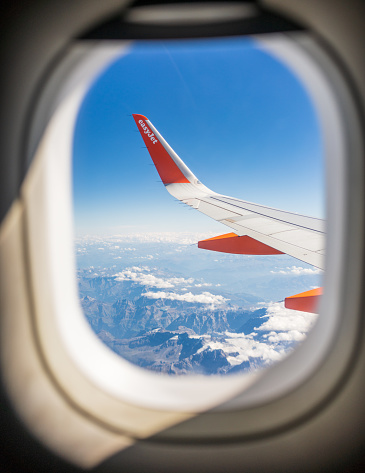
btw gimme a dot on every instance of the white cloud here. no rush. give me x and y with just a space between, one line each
149 257
203 298
290 336
285 320
137 275
297 270
178 281
139 269
285 327
246 347
143 279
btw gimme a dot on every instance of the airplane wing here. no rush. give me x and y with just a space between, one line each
258 229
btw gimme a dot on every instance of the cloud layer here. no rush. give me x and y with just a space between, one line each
144 277
179 238
270 341
203 298
297 270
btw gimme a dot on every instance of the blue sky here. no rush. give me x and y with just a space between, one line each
238 117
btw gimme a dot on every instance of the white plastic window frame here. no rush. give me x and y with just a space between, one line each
63 332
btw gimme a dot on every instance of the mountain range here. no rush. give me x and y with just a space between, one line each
165 305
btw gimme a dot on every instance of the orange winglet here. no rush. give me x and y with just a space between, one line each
238 245
165 165
305 301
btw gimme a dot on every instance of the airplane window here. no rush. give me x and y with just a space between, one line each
242 122
193 244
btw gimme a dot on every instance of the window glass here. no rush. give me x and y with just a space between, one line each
245 126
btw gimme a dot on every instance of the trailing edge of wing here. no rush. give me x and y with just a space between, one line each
296 235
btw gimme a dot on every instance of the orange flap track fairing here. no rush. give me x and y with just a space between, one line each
238 245
305 301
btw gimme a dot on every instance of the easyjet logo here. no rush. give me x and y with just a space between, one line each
148 132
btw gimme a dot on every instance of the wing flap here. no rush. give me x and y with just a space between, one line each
303 221
263 225
302 238
294 249
216 212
